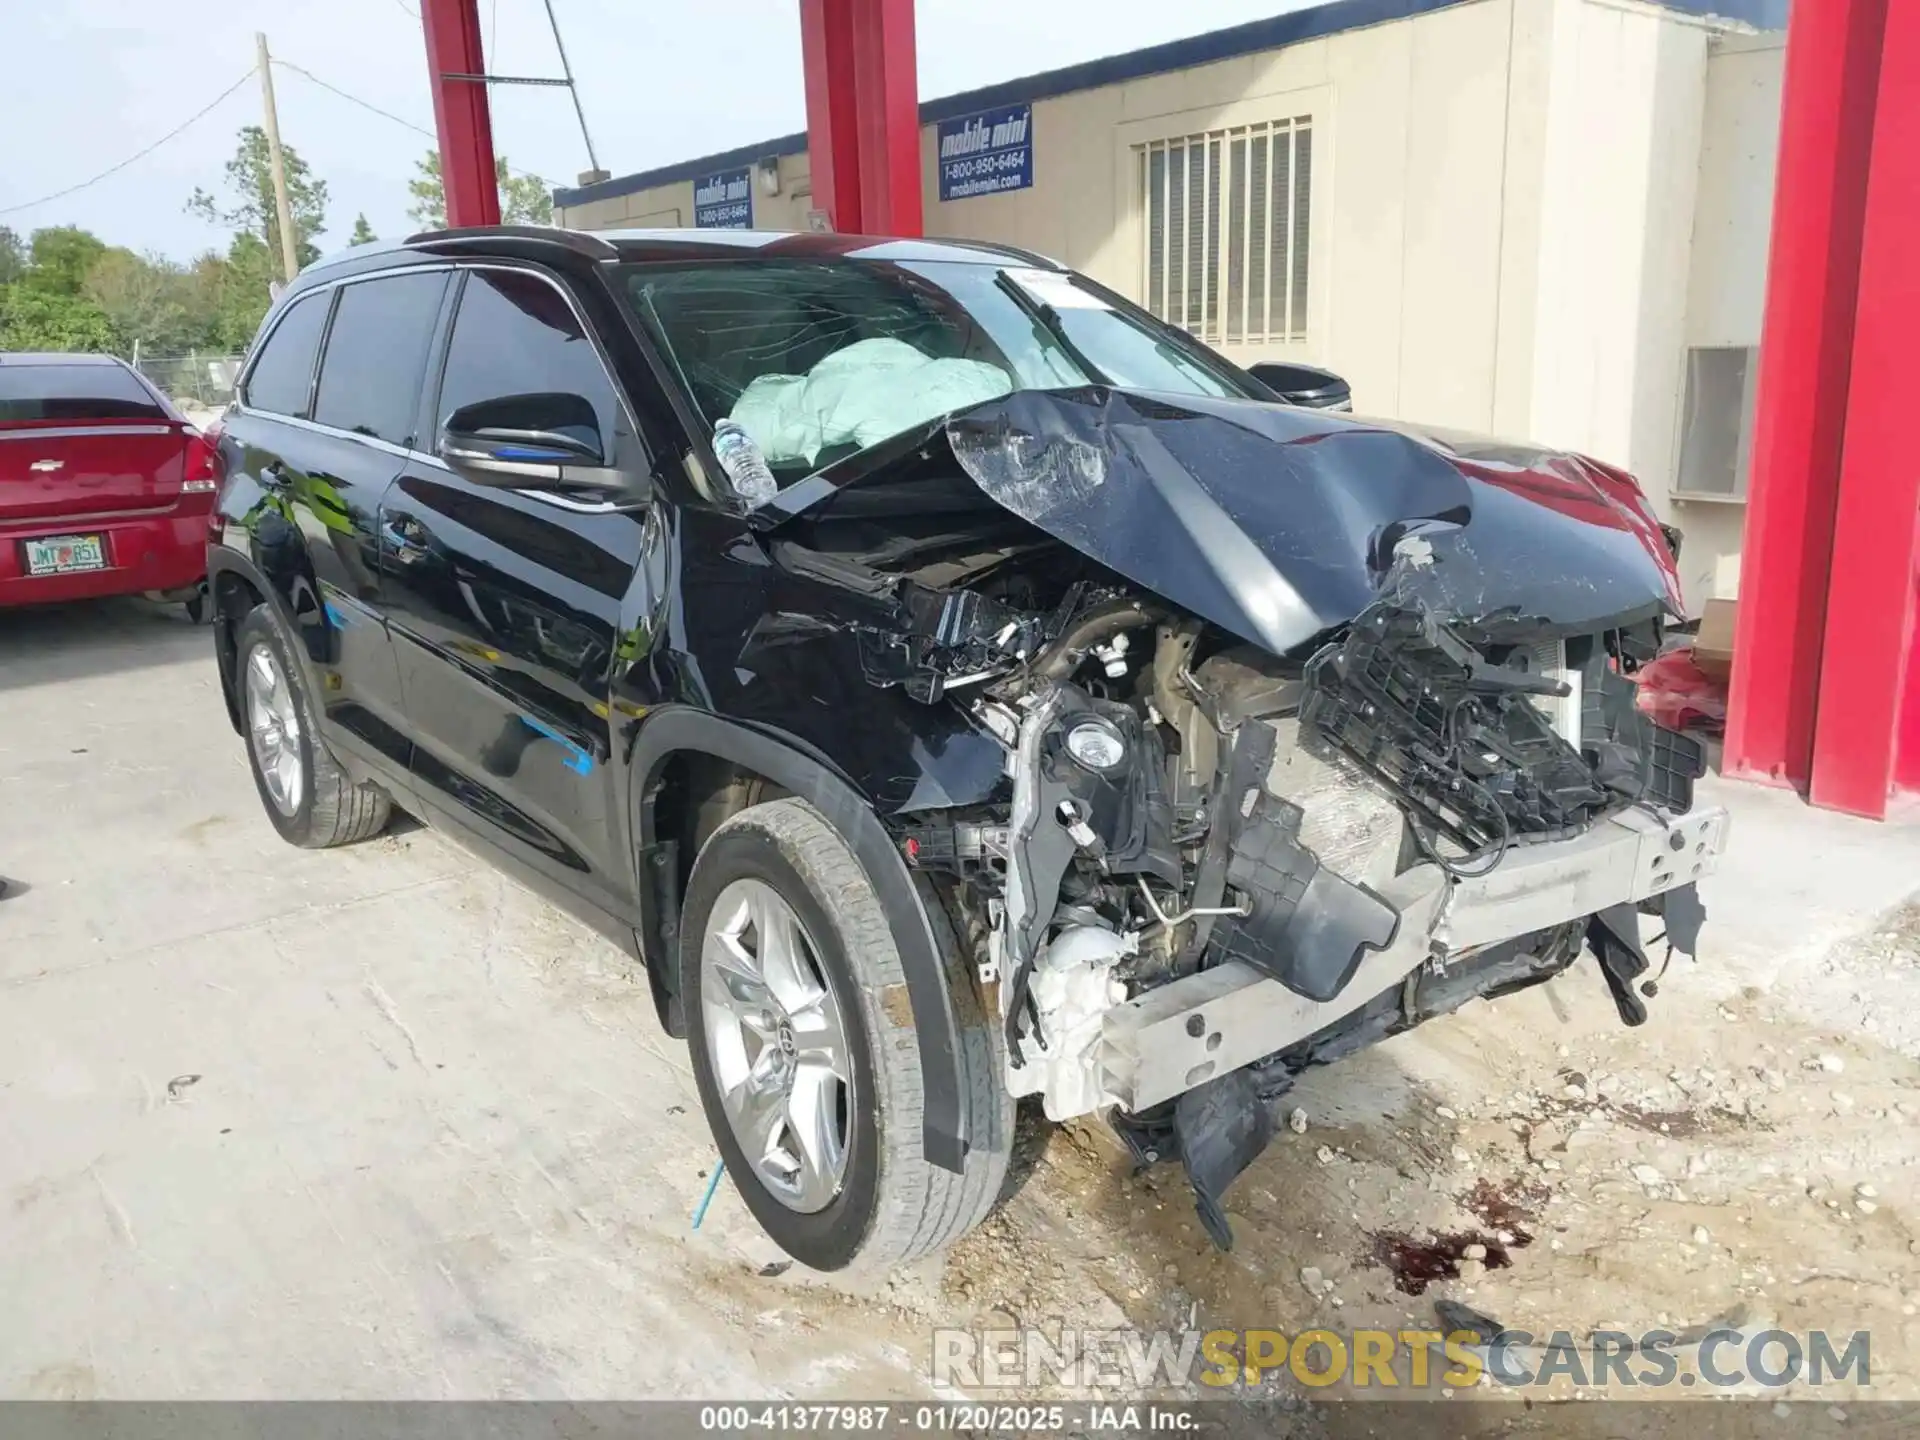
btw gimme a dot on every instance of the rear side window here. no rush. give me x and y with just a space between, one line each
74 392
283 374
377 354
517 335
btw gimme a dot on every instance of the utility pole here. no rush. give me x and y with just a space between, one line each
289 244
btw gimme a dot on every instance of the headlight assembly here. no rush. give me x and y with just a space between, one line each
1096 745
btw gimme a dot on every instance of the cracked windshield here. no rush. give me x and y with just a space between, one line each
817 361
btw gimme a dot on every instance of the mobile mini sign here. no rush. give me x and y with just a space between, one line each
724 201
987 152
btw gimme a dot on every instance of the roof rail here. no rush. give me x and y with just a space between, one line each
534 237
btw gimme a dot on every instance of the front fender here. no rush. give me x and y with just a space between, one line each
677 730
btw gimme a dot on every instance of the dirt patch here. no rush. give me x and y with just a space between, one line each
1578 1098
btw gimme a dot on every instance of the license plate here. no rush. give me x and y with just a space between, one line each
65 555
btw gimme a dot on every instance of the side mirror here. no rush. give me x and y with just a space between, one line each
1305 385
528 440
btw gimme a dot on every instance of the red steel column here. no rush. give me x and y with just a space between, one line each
833 128
884 59
1906 770
1868 660
1832 67
460 111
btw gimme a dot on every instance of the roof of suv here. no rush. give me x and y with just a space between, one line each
57 357
641 246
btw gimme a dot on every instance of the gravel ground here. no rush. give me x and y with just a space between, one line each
377 1123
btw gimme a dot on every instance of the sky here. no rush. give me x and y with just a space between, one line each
90 82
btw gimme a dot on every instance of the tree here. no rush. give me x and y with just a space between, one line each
145 298
524 199
240 287
362 232
66 289
250 179
43 307
13 256
62 256
33 318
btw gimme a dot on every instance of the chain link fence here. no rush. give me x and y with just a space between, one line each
204 381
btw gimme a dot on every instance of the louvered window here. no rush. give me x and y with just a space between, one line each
1227 217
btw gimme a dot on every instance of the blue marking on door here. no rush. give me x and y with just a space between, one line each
578 760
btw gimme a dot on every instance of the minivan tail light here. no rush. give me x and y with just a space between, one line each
202 473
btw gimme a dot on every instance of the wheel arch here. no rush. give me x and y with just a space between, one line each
233 589
679 755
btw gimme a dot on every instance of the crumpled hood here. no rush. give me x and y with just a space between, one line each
1280 524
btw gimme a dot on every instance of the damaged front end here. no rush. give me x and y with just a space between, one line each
1313 730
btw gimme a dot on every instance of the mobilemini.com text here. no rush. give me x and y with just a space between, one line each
1397 1359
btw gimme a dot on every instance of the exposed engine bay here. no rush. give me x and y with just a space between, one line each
1299 750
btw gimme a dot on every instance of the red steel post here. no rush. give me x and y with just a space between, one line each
1906 769
833 128
460 111
1832 66
884 60
1868 659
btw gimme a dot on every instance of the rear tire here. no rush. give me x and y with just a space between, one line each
307 795
890 1206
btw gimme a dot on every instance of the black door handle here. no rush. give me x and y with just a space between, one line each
404 532
273 476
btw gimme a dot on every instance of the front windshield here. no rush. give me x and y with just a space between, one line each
817 360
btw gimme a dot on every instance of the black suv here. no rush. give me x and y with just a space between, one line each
947 681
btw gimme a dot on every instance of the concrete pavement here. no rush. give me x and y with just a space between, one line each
375 1122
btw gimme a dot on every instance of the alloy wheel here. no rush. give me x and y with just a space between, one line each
778 1045
273 727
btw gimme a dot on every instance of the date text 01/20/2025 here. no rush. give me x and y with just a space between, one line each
949 1417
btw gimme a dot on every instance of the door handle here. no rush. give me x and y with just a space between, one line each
404 533
273 476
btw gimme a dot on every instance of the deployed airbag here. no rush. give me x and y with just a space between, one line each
860 396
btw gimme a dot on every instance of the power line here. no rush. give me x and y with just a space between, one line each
138 155
307 74
409 9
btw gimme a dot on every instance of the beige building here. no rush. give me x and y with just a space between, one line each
1544 219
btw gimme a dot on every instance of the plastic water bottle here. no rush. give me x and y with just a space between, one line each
747 471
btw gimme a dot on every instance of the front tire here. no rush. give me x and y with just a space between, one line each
806 1056
309 798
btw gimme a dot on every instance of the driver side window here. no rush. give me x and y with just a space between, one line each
516 334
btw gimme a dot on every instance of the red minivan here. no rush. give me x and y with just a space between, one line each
105 488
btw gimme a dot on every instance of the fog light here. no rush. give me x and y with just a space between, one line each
1096 745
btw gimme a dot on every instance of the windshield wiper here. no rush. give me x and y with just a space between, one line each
1048 318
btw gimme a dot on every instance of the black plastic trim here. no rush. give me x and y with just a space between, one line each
523 241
